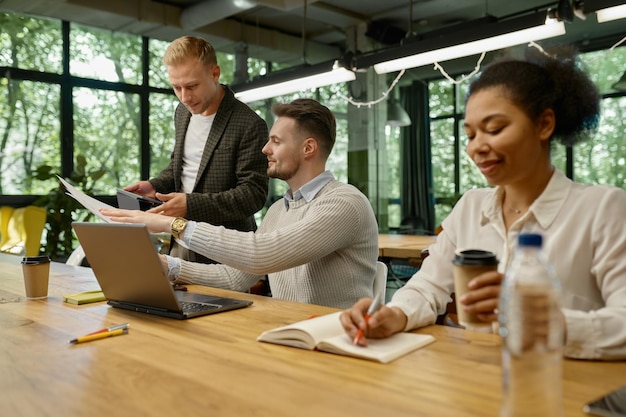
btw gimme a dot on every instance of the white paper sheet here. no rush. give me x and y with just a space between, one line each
88 202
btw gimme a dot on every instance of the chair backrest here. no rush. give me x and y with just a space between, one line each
5 216
76 257
22 229
380 282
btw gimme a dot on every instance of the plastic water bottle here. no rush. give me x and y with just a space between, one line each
532 329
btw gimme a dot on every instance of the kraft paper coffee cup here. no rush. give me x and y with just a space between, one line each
468 264
36 270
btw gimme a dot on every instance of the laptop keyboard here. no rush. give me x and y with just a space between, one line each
191 307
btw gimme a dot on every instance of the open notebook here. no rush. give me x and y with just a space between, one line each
326 334
130 273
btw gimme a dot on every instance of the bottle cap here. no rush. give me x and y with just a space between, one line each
474 257
530 239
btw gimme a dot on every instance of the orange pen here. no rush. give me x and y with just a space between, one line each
98 336
101 334
374 307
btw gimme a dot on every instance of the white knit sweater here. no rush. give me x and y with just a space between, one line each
322 252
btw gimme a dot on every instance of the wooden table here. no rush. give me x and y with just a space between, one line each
403 246
214 366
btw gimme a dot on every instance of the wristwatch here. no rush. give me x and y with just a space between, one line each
177 226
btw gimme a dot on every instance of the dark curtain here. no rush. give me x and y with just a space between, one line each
417 199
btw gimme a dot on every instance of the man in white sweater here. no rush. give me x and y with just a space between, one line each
318 245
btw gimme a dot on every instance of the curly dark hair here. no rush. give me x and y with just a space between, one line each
542 80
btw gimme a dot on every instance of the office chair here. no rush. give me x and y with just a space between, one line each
380 281
21 230
403 269
77 257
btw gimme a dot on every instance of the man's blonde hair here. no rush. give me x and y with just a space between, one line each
190 47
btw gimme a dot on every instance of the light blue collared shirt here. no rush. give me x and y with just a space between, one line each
309 190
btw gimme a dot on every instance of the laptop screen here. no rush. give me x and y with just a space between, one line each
132 276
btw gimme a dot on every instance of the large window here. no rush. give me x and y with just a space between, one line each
102 109
104 55
101 106
107 133
29 130
30 44
601 160
392 147
29 108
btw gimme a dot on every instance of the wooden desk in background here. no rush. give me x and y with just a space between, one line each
213 365
403 246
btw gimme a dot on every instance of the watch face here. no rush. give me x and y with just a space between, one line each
178 224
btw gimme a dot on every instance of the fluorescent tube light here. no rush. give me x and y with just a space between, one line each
611 13
293 80
468 41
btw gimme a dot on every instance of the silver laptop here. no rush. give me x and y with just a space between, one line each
129 270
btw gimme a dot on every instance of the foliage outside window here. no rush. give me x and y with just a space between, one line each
392 135
30 134
29 110
602 160
107 131
157 74
105 55
30 43
162 135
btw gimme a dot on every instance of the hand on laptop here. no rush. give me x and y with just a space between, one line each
155 222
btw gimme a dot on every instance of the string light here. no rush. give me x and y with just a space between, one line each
443 72
384 96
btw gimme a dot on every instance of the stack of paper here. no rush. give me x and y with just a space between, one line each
88 202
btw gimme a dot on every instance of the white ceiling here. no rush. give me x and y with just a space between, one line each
273 29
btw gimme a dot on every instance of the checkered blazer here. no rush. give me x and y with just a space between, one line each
232 181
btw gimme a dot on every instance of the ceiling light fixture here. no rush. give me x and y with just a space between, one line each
396 115
611 13
292 80
298 78
471 39
606 10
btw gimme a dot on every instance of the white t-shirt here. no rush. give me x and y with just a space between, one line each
195 139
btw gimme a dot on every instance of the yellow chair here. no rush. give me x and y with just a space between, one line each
21 230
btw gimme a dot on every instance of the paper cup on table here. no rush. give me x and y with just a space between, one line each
36 270
468 264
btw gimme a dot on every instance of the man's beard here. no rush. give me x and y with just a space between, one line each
281 174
